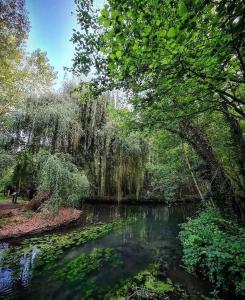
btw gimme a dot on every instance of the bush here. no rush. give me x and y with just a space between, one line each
215 247
62 179
6 179
6 161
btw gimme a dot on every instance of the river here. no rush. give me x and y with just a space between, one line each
86 271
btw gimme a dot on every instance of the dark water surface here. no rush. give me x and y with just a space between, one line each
87 271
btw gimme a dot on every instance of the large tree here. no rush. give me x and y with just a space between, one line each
182 61
21 74
14 27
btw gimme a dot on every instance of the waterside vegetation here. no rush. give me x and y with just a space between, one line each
159 117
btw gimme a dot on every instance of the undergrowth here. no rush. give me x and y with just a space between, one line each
214 247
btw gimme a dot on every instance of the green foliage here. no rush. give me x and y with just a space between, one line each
6 161
25 171
6 179
21 74
159 287
146 285
38 74
127 153
51 120
59 176
125 165
14 27
215 247
180 62
168 164
97 138
3 197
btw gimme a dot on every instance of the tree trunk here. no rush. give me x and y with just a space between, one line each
239 146
220 185
55 135
238 142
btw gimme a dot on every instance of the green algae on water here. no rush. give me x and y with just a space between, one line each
50 247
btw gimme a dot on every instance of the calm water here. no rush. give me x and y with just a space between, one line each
87 271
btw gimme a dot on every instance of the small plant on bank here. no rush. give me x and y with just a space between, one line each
215 248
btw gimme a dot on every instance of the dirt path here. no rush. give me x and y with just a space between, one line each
9 205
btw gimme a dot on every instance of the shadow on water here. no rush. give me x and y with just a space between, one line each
88 271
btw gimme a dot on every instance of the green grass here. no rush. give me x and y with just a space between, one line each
4 198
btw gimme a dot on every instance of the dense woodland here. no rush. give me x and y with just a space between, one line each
159 118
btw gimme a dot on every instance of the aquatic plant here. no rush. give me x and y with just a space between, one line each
146 285
84 269
77 269
80 273
52 246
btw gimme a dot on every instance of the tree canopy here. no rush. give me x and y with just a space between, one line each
182 64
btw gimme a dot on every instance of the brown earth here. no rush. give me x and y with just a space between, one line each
17 221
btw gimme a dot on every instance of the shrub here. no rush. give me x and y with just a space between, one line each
63 180
6 161
6 179
215 247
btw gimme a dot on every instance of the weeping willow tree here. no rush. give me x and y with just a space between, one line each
52 122
118 166
70 122
114 162
62 179
77 123
93 120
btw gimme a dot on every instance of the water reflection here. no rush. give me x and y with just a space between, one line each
6 281
85 271
26 265
16 271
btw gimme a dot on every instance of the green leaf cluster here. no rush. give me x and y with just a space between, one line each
146 285
62 179
215 247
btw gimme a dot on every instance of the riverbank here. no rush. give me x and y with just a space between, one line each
19 221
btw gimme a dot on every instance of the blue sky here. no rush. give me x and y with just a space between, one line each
51 30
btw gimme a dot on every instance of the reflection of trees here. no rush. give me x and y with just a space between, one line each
103 213
17 271
155 231
5 280
26 266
